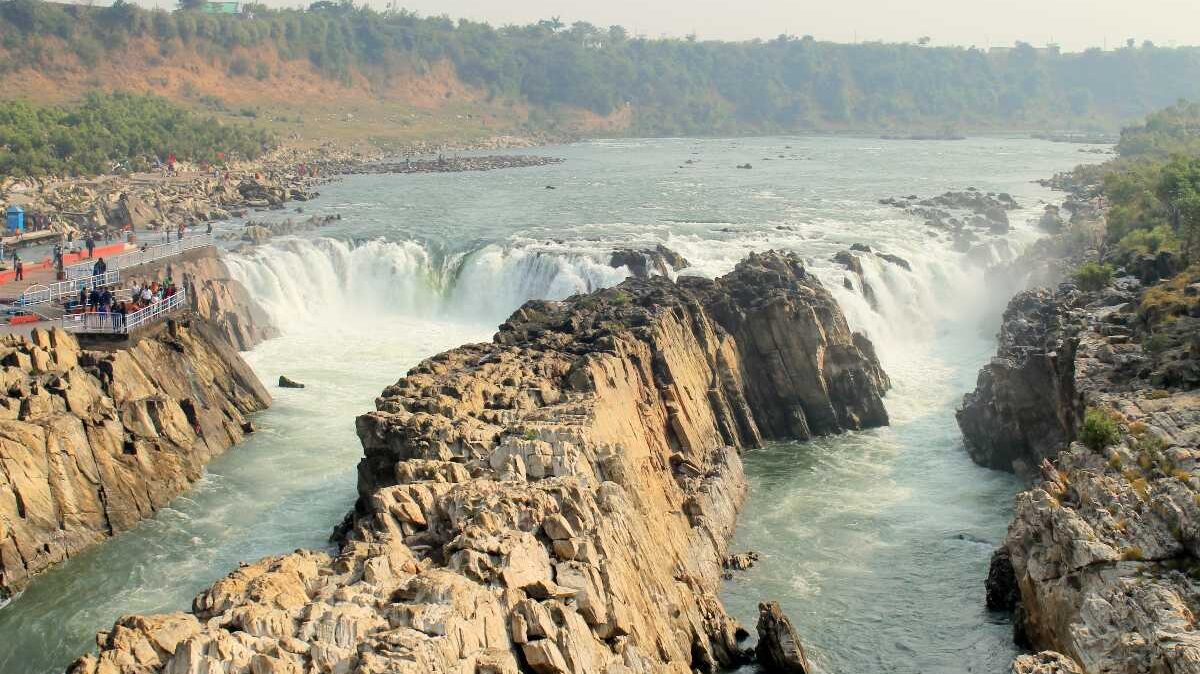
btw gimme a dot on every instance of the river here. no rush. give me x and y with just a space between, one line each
875 543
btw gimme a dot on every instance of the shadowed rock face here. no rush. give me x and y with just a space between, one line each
559 500
91 442
643 264
779 650
1024 408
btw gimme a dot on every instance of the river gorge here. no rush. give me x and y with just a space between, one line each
875 541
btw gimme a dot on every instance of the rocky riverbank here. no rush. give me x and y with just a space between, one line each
96 437
1094 395
558 500
93 441
194 195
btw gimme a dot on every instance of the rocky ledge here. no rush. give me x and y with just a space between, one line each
215 296
93 441
558 500
1103 555
1025 408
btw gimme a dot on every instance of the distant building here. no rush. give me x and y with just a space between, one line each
221 7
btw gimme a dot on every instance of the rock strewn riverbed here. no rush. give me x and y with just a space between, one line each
457 164
157 201
558 500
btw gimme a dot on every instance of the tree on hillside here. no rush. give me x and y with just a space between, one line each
192 4
1179 190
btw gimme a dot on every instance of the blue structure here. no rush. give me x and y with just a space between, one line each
15 219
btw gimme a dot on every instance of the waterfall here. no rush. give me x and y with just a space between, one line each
301 280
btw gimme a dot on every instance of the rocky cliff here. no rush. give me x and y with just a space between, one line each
1101 559
558 500
92 441
1024 408
214 295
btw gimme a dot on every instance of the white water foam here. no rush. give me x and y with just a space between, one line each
297 279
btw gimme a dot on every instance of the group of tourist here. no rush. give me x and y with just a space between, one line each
103 301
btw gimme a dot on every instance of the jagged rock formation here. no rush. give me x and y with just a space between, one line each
1046 662
643 264
558 500
779 650
92 441
214 295
1024 408
1101 557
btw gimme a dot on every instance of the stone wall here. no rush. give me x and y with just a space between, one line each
558 500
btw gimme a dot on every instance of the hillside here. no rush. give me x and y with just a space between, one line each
337 71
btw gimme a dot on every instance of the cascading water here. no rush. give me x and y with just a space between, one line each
876 543
299 280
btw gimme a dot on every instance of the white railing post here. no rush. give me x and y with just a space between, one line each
40 294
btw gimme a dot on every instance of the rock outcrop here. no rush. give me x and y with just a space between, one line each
93 441
1103 550
214 295
779 650
559 500
1025 408
643 264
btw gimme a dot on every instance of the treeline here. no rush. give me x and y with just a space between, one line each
111 131
1153 189
675 86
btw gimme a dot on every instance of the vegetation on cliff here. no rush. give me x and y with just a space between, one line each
1151 191
110 129
674 86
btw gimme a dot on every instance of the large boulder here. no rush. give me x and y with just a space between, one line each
644 263
1024 407
779 650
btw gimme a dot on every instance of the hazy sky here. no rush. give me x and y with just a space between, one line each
1074 24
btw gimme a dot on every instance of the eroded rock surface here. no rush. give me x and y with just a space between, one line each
559 500
643 264
779 650
1104 549
214 295
1025 407
91 442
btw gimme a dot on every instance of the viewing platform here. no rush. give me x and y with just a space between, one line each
38 298
114 323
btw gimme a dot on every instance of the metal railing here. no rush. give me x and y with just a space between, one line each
40 294
114 323
149 254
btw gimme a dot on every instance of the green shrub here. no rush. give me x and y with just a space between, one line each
1099 429
1156 344
239 66
1093 276
1150 241
106 128
261 71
